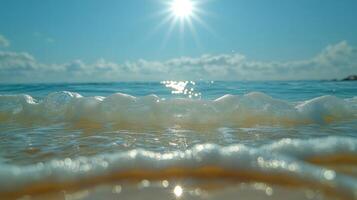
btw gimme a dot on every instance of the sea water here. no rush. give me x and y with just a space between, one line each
281 137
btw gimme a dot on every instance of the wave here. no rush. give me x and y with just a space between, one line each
289 162
125 110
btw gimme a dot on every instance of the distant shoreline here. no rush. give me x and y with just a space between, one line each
348 78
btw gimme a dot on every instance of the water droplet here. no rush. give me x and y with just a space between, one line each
117 189
165 183
329 174
178 191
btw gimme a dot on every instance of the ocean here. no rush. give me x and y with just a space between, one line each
179 139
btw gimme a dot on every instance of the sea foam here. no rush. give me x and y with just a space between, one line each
282 162
229 110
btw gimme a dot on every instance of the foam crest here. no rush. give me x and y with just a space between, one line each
324 108
14 104
229 110
314 147
270 163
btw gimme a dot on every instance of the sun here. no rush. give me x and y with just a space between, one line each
182 16
182 8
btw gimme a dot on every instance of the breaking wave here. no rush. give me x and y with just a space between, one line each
289 162
229 110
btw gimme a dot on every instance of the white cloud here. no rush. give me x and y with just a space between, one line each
4 42
17 61
335 61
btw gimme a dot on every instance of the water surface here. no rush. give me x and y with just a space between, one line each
301 134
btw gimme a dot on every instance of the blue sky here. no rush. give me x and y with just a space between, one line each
44 36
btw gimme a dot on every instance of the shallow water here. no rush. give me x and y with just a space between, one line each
288 136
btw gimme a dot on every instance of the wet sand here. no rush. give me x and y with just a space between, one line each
185 189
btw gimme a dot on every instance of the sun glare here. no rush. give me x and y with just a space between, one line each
182 16
182 8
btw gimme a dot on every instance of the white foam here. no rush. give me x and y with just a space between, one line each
285 158
229 110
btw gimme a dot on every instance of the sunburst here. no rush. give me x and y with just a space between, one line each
182 8
183 14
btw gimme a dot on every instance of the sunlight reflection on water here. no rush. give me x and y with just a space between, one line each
178 191
185 88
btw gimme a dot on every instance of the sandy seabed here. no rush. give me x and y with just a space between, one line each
184 189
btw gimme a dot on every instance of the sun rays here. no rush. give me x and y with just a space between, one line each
182 8
184 16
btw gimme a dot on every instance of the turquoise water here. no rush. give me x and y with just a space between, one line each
75 132
287 90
